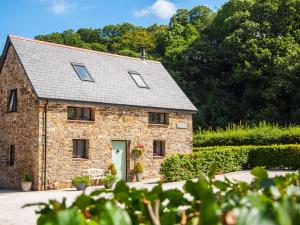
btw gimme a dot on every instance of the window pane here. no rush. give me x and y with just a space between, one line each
11 159
154 148
138 80
74 148
12 101
158 148
71 113
79 148
162 118
82 72
87 114
79 113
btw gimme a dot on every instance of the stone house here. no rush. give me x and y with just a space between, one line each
66 109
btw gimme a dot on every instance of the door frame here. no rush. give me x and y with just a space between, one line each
127 158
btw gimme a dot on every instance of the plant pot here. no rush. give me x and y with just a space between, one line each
112 184
107 185
26 185
138 177
81 186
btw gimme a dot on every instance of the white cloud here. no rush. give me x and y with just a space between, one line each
59 7
163 9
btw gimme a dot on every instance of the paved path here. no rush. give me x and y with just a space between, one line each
11 202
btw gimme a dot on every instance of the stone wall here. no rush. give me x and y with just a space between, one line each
18 128
110 123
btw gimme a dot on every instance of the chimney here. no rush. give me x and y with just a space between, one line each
143 54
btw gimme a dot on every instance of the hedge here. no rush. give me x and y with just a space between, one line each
237 135
229 159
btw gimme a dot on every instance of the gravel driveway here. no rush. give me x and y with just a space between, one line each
11 202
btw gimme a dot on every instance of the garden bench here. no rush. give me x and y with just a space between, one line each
95 174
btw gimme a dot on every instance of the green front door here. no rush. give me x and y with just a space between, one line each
119 158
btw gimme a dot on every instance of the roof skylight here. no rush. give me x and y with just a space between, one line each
138 79
82 72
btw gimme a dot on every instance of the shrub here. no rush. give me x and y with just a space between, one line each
262 134
112 169
138 167
81 180
229 159
108 180
211 202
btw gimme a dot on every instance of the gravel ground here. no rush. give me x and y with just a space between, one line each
11 202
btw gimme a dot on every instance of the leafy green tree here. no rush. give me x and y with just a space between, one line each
53 37
90 35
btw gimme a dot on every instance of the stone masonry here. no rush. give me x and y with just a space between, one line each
25 129
20 128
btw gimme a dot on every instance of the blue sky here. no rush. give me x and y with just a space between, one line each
32 17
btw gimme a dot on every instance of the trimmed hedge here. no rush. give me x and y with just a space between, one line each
237 135
228 159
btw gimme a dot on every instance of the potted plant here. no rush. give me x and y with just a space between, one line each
138 169
81 182
138 149
112 169
26 182
109 181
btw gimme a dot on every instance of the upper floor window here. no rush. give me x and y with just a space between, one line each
79 148
158 148
82 72
138 79
12 101
11 156
158 118
76 113
2 156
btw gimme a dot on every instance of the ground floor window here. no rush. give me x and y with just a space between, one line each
11 156
80 148
158 148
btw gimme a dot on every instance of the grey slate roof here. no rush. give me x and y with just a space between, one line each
49 69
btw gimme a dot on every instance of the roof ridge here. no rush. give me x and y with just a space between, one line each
75 48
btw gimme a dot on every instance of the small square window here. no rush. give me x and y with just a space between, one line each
12 101
79 148
138 79
158 148
82 72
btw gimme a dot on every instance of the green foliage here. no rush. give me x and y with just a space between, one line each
229 159
138 150
108 180
138 167
81 180
206 201
26 177
262 134
112 169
